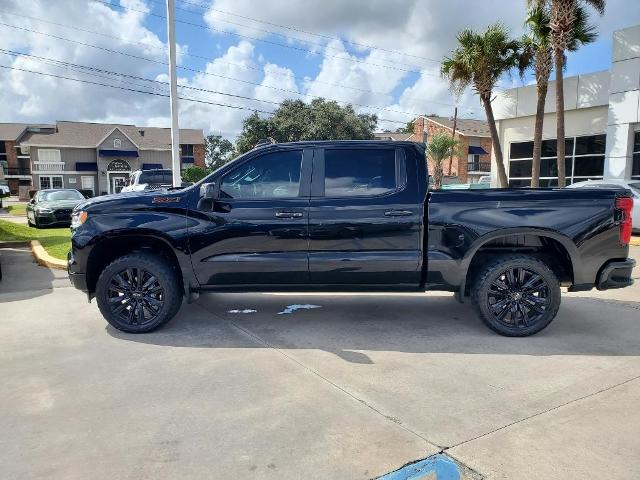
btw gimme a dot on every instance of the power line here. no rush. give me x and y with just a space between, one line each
372 107
306 32
237 107
256 39
188 99
201 57
83 68
209 59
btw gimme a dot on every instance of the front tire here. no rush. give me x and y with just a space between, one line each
138 293
516 295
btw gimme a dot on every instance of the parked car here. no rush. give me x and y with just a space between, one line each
141 180
52 207
4 190
633 185
348 216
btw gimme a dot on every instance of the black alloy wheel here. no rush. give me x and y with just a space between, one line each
516 295
139 292
135 296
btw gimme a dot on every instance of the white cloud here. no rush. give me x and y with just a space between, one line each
346 69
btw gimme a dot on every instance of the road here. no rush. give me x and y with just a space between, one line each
353 389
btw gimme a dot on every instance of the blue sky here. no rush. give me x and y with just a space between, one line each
324 56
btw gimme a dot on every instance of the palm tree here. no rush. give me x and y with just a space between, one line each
440 146
480 60
537 51
563 16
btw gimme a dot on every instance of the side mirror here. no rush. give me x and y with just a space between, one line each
208 191
32 201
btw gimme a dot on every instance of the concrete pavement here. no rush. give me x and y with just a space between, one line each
353 389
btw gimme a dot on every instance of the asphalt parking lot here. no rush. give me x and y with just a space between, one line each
355 388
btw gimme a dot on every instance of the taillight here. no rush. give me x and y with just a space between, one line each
625 205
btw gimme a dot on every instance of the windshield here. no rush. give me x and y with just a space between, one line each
60 195
162 177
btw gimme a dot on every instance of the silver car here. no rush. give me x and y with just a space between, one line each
633 185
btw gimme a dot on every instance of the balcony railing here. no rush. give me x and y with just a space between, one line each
49 166
16 170
479 167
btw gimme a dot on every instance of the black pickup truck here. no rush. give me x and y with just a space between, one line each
347 216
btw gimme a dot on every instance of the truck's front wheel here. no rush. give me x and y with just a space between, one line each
138 292
516 295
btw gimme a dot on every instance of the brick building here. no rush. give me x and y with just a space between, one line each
90 156
475 140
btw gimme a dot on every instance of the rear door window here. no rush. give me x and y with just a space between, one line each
361 172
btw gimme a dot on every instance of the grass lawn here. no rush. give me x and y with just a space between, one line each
19 209
56 241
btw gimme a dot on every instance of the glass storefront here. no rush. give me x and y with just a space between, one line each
584 160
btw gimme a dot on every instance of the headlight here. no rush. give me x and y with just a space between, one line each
78 218
44 210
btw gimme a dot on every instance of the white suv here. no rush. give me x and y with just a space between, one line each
149 180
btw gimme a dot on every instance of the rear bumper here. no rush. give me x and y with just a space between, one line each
616 274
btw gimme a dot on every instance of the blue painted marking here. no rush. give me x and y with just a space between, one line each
443 467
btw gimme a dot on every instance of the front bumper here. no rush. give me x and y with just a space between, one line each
79 280
616 274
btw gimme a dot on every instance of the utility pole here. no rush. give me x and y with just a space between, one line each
173 95
453 136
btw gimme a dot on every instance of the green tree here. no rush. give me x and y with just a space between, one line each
440 147
408 128
564 14
195 173
480 60
537 52
218 151
295 120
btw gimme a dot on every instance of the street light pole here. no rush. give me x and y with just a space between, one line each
173 95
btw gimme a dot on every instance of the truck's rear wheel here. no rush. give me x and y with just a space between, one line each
138 292
516 295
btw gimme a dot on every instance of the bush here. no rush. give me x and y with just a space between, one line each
195 174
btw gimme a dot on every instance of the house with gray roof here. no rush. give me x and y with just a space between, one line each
96 157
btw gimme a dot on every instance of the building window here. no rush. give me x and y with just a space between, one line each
186 153
52 181
635 169
49 155
87 183
3 157
117 143
584 160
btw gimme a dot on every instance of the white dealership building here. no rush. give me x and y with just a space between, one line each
602 122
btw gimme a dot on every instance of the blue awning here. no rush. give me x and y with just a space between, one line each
476 151
151 166
86 166
117 153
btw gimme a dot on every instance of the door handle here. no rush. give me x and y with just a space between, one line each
288 214
397 213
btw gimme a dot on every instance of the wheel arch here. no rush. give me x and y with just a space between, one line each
110 247
540 243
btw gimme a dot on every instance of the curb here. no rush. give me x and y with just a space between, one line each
635 241
44 259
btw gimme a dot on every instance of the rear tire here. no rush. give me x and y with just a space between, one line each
138 293
516 295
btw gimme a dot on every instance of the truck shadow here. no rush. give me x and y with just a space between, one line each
349 326
22 278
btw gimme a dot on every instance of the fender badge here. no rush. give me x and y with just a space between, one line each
165 199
